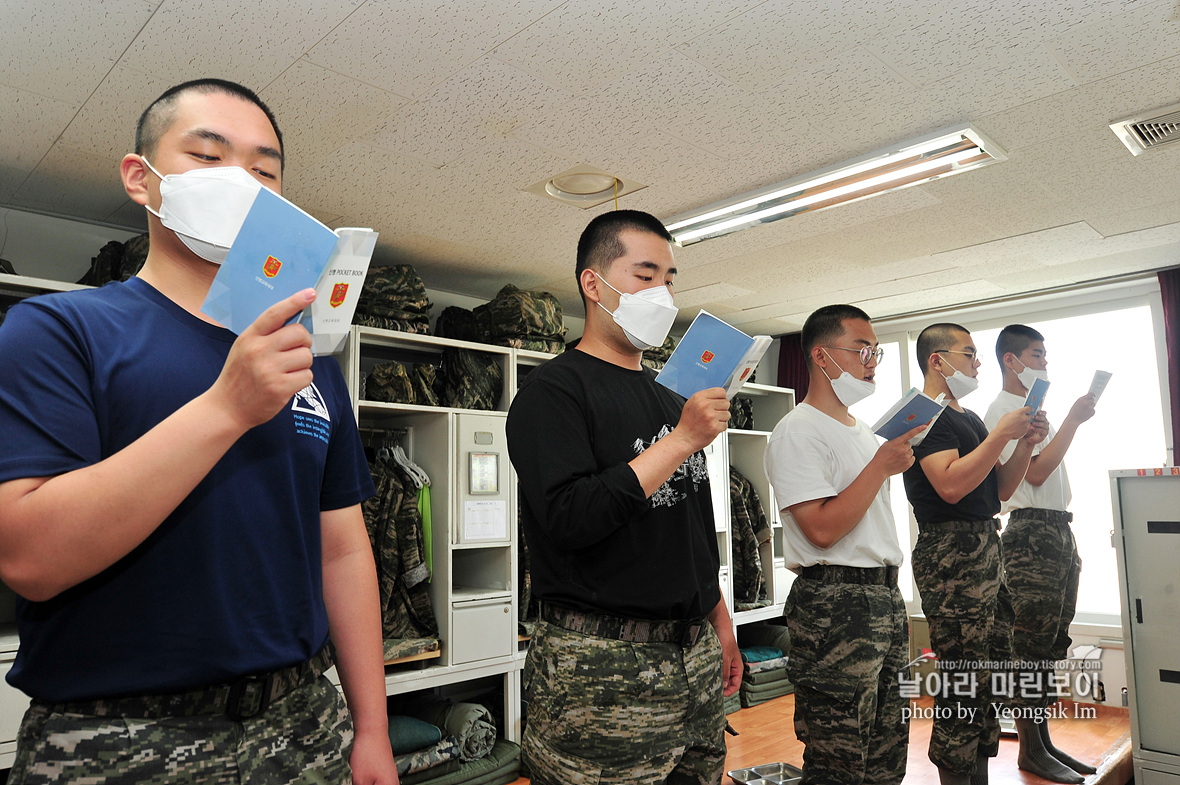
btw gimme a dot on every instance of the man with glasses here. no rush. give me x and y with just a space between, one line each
847 619
955 487
1041 564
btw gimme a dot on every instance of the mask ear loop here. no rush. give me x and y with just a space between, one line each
148 207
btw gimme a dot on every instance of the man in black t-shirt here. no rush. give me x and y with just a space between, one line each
624 677
955 487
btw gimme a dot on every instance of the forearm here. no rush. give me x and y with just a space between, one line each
1011 473
1048 459
826 522
657 463
56 532
354 624
964 474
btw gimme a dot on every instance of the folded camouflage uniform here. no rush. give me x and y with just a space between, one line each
396 382
393 297
524 320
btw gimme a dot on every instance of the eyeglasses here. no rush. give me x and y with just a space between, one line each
969 355
866 353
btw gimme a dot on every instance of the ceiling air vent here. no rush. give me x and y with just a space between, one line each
1146 132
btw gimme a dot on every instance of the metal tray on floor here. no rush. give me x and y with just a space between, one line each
766 774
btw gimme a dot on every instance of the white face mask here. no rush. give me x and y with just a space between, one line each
646 316
206 207
848 388
1030 375
960 384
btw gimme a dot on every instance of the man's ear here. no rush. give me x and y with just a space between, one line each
134 172
819 357
589 282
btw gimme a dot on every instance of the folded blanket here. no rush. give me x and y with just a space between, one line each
396 648
470 724
777 663
765 677
500 765
760 653
422 760
772 690
733 703
409 734
754 699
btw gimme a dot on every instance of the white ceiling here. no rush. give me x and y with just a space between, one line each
425 119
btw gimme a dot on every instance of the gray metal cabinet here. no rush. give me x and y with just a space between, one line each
1146 504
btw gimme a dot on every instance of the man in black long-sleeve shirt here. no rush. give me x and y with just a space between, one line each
625 674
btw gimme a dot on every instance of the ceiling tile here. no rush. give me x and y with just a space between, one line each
486 100
585 44
73 182
1054 118
1108 224
975 34
410 46
106 124
129 214
1135 92
62 49
1141 35
29 124
757 49
236 41
320 110
922 298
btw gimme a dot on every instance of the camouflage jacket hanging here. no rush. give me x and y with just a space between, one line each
395 532
749 529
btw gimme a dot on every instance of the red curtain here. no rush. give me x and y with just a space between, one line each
1170 294
792 365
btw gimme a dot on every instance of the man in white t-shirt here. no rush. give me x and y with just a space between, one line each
847 620
1041 564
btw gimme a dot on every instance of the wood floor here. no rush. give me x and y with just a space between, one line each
767 735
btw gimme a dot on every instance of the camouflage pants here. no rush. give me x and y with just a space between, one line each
848 643
607 712
957 571
302 738
1041 568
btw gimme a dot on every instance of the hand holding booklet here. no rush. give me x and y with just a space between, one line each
1036 395
281 250
712 354
914 409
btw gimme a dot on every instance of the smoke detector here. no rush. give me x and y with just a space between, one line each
1149 131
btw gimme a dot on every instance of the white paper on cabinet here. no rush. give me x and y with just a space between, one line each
485 520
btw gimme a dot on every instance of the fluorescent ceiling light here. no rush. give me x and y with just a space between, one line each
929 158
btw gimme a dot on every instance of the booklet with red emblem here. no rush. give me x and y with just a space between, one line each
281 250
712 354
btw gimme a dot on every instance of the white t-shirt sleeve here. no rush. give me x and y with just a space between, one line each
799 468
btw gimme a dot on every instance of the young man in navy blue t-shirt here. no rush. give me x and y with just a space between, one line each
180 507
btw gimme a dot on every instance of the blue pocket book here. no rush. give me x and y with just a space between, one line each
279 251
712 354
